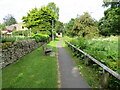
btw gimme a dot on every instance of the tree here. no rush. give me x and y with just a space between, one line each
69 27
111 3
40 19
110 23
85 26
59 27
53 6
2 26
9 20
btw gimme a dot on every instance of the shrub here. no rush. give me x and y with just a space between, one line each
11 39
104 50
79 42
22 32
40 37
17 33
46 32
5 45
8 39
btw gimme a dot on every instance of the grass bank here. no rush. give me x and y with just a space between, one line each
104 50
89 74
32 71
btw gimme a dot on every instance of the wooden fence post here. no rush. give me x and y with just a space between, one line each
106 70
73 49
86 60
68 44
104 79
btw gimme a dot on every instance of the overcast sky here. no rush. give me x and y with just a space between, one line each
68 8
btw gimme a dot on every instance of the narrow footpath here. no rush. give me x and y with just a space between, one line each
70 76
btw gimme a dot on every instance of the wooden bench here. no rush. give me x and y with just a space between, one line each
47 49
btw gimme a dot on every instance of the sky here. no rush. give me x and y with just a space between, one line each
68 8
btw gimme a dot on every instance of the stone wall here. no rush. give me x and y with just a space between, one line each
17 50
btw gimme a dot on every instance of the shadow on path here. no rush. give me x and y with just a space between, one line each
70 76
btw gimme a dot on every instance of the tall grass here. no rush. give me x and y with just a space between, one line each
103 49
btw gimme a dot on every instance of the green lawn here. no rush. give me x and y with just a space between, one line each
32 71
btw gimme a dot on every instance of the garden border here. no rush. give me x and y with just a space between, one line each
105 68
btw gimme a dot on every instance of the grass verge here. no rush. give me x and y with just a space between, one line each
32 71
89 74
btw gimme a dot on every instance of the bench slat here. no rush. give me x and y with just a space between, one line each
47 49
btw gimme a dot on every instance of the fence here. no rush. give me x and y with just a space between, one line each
106 70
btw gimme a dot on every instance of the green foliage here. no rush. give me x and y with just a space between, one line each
110 23
85 26
104 50
32 71
17 32
41 19
8 39
9 20
68 27
22 32
2 26
53 6
35 30
90 75
26 32
12 39
79 42
59 27
40 37
46 32
111 3
5 45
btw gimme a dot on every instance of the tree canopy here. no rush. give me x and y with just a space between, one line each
83 25
41 19
53 6
2 26
9 20
69 26
110 23
59 27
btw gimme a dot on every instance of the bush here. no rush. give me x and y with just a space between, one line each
11 39
8 39
5 45
26 32
104 50
21 32
17 33
79 42
46 32
40 37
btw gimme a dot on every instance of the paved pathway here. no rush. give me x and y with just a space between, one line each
70 76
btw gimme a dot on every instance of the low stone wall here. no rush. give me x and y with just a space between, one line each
17 50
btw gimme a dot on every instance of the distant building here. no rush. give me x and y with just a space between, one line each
12 28
20 26
15 27
6 32
59 34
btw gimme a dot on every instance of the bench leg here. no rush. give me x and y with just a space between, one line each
45 53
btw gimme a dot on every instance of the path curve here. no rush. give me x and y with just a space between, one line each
70 76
